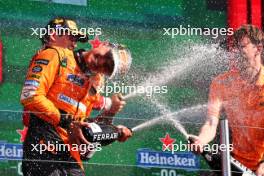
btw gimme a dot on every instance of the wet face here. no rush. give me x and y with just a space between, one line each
72 42
249 62
102 64
100 60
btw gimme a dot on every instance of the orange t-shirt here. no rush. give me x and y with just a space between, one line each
243 104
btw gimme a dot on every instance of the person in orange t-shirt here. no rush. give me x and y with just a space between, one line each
240 93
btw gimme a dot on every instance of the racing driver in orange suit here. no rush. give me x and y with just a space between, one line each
59 95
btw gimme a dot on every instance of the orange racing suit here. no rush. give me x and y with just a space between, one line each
54 85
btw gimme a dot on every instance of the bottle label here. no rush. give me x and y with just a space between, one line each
105 136
95 128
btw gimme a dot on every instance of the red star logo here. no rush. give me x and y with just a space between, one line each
22 133
167 142
95 42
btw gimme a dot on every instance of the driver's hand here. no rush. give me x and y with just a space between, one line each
125 133
117 104
195 145
75 133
